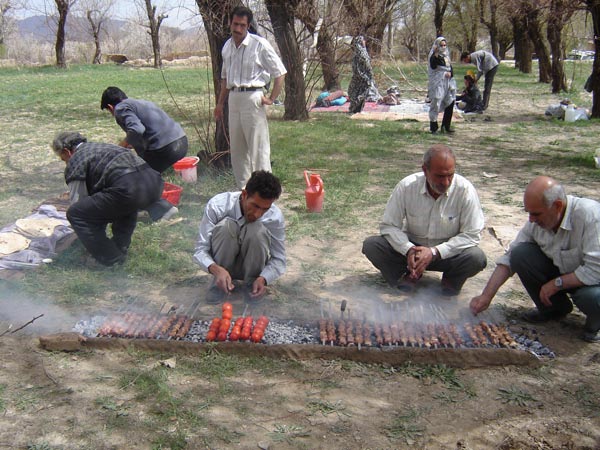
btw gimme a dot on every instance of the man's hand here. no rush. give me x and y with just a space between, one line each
222 278
218 112
418 259
547 291
259 288
266 100
479 304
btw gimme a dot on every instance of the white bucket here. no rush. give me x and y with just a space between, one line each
186 167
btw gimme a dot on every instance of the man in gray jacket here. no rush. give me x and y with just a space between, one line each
487 65
155 137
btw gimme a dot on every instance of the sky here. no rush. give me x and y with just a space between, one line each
182 13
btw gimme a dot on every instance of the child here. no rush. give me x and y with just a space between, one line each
470 100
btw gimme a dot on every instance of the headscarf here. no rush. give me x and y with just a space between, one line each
444 52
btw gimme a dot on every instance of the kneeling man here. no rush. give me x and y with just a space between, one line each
432 221
556 255
242 237
107 184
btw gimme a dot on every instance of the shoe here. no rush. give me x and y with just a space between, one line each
449 291
591 336
170 213
536 316
214 295
407 284
447 130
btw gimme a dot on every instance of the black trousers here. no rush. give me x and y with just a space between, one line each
116 205
535 269
487 89
160 160
393 265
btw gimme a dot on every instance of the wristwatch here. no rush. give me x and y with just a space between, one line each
558 282
434 252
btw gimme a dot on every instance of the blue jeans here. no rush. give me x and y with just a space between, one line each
535 269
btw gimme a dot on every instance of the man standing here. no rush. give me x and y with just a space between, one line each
107 184
155 137
556 255
242 237
249 63
487 66
432 221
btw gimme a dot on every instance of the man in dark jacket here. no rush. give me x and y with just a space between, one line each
107 184
155 137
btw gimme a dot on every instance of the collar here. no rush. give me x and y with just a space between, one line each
566 224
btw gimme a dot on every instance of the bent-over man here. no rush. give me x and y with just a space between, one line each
249 63
107 184
487 65
242 237
152 133
556 255
432 221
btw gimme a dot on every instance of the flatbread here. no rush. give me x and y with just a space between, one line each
38 227
12 242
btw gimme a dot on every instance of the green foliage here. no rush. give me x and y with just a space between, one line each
515 396
287 433
405 426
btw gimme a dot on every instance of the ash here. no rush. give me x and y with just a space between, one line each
289 333
89 327
197 331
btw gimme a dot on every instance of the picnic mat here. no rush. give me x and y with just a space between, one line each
406 110
34 240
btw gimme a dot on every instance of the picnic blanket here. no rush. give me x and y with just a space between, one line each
407 110
32 241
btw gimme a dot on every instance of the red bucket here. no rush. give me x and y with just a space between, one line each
172 193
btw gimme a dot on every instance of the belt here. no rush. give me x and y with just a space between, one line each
247 88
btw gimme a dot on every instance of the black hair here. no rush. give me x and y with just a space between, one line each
463 55
112 96
265 184
242 11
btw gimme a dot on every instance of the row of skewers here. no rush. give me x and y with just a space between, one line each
361 333
148 326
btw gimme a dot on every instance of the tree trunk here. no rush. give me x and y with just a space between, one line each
535 34
560 14
215 15
62 6
154 24
282 17
438 16
594 9
491 24
523 52
95 26
307 13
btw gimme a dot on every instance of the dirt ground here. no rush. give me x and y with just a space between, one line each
59 400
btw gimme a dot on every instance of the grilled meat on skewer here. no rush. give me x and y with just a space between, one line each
367 334
323 331
378 334
342 340
350 332
330 331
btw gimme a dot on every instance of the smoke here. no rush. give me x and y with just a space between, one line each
17 309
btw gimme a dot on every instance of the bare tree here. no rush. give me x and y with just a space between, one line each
97 13
323 23
415 28
369 18
439 10
282 18
5 7
467 14
488 16
62 8
154 21
215 15
593 6
559 14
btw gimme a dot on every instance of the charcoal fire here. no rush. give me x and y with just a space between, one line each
386 330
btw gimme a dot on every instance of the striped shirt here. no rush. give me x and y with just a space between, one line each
252 64
451 223
575 247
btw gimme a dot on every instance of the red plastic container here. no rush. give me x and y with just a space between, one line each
172 193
